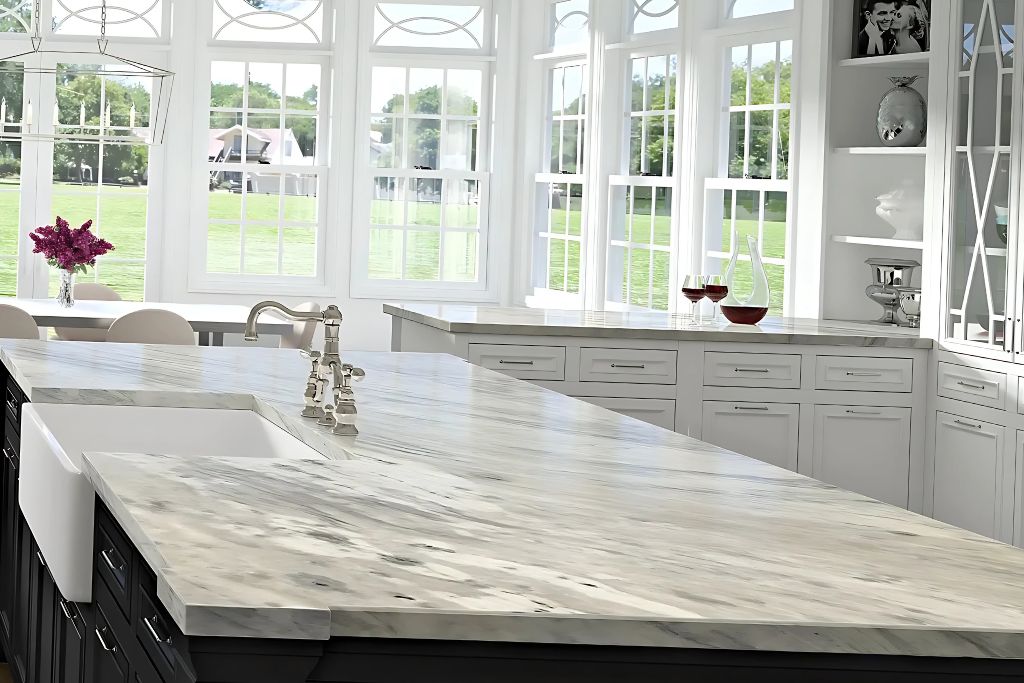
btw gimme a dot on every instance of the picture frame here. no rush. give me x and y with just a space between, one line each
891 27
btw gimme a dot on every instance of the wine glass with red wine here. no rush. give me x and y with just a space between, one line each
716 290
693 290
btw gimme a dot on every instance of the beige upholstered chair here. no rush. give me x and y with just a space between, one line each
152 326
17 324
302 332
88 291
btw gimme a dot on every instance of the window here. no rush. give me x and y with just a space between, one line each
272 21
413 25
425 217
106 182
11 107
654 15
265 169
16 16
640 232
737 9
125 18
750 196
571 22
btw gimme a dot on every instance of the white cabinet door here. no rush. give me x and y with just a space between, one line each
766 431
968 490
864 449
658 412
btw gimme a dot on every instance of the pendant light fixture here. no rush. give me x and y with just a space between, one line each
115 121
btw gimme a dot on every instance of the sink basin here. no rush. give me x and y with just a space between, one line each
58 501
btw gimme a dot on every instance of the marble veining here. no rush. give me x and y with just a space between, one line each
473 506
470 319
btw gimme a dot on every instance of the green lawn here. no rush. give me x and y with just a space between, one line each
122 212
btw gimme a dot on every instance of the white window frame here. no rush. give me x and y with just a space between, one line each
494 159
644 47
37 202
766 28
209 51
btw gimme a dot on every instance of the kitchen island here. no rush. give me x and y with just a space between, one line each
482 528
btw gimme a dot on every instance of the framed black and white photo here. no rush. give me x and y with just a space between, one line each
893 27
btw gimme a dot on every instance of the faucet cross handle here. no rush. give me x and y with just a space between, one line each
315 385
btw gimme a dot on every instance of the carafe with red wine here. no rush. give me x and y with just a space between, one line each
751 309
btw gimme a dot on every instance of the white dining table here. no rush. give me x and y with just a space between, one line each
211 321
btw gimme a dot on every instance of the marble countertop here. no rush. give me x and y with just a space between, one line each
474 506
470 319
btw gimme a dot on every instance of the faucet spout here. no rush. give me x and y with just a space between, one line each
254 314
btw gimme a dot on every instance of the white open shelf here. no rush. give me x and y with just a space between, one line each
916 59
883 151
879 242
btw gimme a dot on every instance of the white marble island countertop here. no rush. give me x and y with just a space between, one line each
471 319
477 507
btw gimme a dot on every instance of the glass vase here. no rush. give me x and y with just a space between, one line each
751 309
66 293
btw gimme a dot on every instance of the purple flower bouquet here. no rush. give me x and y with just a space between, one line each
70 250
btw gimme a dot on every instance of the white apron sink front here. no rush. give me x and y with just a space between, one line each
58 501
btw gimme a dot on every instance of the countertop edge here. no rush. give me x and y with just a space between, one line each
862 340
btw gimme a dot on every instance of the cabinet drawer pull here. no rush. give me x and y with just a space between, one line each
962 383
863 374
750 407
863 412
7 454
39 556
65 610
760 370
641 366
105 554
967 424
103 642
153 632
515 362
12 406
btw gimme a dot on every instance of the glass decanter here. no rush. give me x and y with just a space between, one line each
751 309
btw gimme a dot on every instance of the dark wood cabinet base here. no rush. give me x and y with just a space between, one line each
126 636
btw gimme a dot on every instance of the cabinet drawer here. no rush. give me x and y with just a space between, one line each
13 399
524 362
968 481
659 412
865 449
156 633
776 370
766 431
636 366
113 561
858 373
983 387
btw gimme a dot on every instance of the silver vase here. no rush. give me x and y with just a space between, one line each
66 293
902 115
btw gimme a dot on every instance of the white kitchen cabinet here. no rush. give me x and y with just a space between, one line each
659 412
969 482
766 431
864 449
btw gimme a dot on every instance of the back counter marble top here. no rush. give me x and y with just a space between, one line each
474 506
470 319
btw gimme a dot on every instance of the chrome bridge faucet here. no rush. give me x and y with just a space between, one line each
341 415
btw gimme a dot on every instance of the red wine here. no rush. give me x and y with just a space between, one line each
717 292
693 294
744 315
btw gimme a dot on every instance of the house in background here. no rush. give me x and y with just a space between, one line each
263 146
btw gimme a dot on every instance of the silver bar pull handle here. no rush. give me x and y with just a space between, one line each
750 407
103 643
759 370
863 374
152 631
641 366
65 610
970 386
969 425
863 412
515 362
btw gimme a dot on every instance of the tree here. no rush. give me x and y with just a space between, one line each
762 91
264 96
424 147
